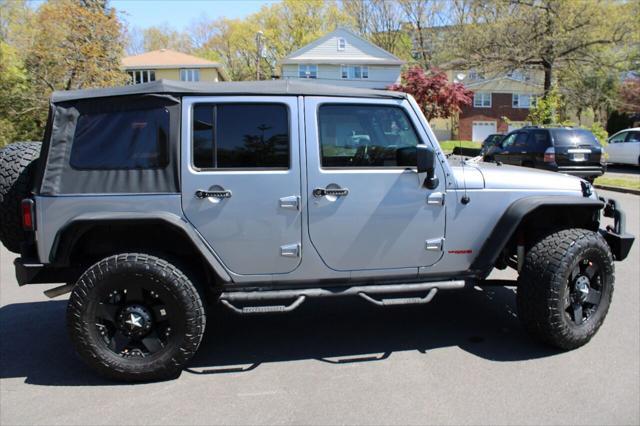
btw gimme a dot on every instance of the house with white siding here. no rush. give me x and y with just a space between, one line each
343 58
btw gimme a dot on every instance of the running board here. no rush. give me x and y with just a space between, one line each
366 292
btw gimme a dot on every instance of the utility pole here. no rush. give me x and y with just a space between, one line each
259 53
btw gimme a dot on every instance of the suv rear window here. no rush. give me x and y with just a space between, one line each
241 136
573 137
135 139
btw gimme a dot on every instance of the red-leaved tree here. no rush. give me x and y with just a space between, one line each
434 93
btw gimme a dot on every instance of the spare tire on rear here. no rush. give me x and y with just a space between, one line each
17 165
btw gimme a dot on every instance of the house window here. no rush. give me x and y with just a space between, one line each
342 44
523 100
190 74
308 71
354 72
519 75
482 100
475 75
141 76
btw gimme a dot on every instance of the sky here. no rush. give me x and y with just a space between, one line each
180 13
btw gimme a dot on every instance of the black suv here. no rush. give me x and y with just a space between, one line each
561 149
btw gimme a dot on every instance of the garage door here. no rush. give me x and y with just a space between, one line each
482 129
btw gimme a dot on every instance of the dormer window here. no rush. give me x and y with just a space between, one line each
475 75
342 43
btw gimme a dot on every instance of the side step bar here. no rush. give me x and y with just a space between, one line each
366 292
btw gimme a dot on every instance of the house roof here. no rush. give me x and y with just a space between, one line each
227 88
504 84
358 51
167 58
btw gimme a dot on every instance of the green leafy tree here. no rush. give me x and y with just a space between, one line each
544 34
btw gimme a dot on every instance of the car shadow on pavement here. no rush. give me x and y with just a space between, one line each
34 343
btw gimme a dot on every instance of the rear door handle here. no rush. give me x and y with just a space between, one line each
336 192
202 194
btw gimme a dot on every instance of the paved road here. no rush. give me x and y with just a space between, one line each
462 359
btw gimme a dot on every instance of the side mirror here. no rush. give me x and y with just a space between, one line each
426 162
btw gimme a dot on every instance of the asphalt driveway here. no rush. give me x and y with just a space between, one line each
462 359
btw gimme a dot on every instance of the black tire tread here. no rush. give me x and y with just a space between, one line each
160 369
542 278
17 162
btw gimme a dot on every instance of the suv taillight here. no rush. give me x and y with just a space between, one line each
550 155
28 215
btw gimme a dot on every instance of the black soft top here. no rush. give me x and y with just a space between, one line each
257 88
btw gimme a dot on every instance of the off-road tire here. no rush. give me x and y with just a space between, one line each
17 164
163 276
543 283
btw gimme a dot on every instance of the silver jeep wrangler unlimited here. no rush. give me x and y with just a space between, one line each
148 199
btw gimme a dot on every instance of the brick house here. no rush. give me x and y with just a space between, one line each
501 103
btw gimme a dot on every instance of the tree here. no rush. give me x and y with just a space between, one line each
424 17
630 95
63 45
545 34
591 88
165 37
436 96
381 22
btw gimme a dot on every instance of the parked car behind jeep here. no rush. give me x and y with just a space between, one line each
566 150
624 147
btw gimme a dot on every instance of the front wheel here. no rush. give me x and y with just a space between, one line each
565 287
135 317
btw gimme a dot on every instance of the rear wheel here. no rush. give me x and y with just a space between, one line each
135 317
565 287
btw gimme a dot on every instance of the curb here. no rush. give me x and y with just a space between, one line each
618 189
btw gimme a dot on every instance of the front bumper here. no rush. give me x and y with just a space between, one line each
616 236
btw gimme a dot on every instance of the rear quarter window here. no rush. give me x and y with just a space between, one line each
573 137
135 139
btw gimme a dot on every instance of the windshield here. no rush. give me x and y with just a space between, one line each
573 137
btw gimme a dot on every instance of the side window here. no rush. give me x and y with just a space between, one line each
366 136
521 140
509 140
633 137
538 140
619 137
241 136
136 139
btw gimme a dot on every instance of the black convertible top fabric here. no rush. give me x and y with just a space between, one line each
258 88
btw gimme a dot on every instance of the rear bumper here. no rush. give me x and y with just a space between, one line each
618 239
581 171
33 272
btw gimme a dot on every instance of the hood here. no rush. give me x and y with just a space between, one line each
491 176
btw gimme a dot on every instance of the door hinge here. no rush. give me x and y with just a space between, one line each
290 202
436 199
290 250
435 244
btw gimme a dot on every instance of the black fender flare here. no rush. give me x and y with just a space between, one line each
72 231
511 219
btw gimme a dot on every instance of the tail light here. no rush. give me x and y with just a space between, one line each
550 155
28 214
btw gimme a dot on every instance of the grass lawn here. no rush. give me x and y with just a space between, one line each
447 146
630 183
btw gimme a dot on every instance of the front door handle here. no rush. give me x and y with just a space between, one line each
202 194
336 192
